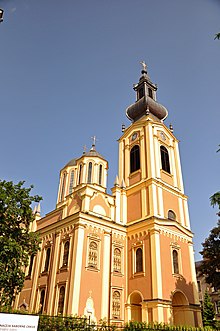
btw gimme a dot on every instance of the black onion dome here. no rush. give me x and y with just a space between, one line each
144 106
146 100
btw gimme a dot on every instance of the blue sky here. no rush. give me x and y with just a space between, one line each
67 71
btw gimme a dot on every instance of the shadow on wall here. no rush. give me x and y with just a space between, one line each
184 309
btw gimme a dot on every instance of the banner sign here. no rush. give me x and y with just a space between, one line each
17 322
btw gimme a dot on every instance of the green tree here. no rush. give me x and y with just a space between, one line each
16 241
208 312
217 36
210 266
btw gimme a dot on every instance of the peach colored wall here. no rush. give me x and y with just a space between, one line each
135 178
170 282
91 280
167 178
140 283
98 200
134 206
171 202
75 202
48 220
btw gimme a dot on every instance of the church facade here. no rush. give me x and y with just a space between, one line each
126 255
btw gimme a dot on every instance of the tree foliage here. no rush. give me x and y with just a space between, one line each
208 311
217 36
210 266
16 241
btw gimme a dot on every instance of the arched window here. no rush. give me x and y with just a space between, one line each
42 299
62 191
89 178
135 158
47 260
139 260
175 262
61 300
66 253
31 265
80 174
171 215
117 260
71 181
116 304
100 174
165 159
93 254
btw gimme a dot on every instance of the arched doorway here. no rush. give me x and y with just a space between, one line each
181 311
136 306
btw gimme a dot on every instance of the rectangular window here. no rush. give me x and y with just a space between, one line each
93 253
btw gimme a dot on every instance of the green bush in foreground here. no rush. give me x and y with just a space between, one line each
75 323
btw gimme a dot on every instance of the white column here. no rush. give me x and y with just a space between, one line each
53 273
178 167
76 270
105 276
144 202
156 264
35 274
143 158
150 149
153 199
186 213
123 206
126 165
160 201
173 167
104 176
182 216
157 157
95 171
193 273
84 173
121 160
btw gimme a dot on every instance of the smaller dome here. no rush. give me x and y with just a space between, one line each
71 163
93 153
146 105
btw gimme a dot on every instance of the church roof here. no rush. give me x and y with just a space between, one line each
91 153
145 104
71 163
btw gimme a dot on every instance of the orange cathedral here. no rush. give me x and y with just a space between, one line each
126 255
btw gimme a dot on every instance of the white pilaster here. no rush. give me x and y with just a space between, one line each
182 217
157 157
186 213
105 276
35 274
53 273
150 149
178 167
76 270
193 273
160 202
156 265
173 167
143 158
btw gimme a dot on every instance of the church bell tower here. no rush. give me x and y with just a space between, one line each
161 272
